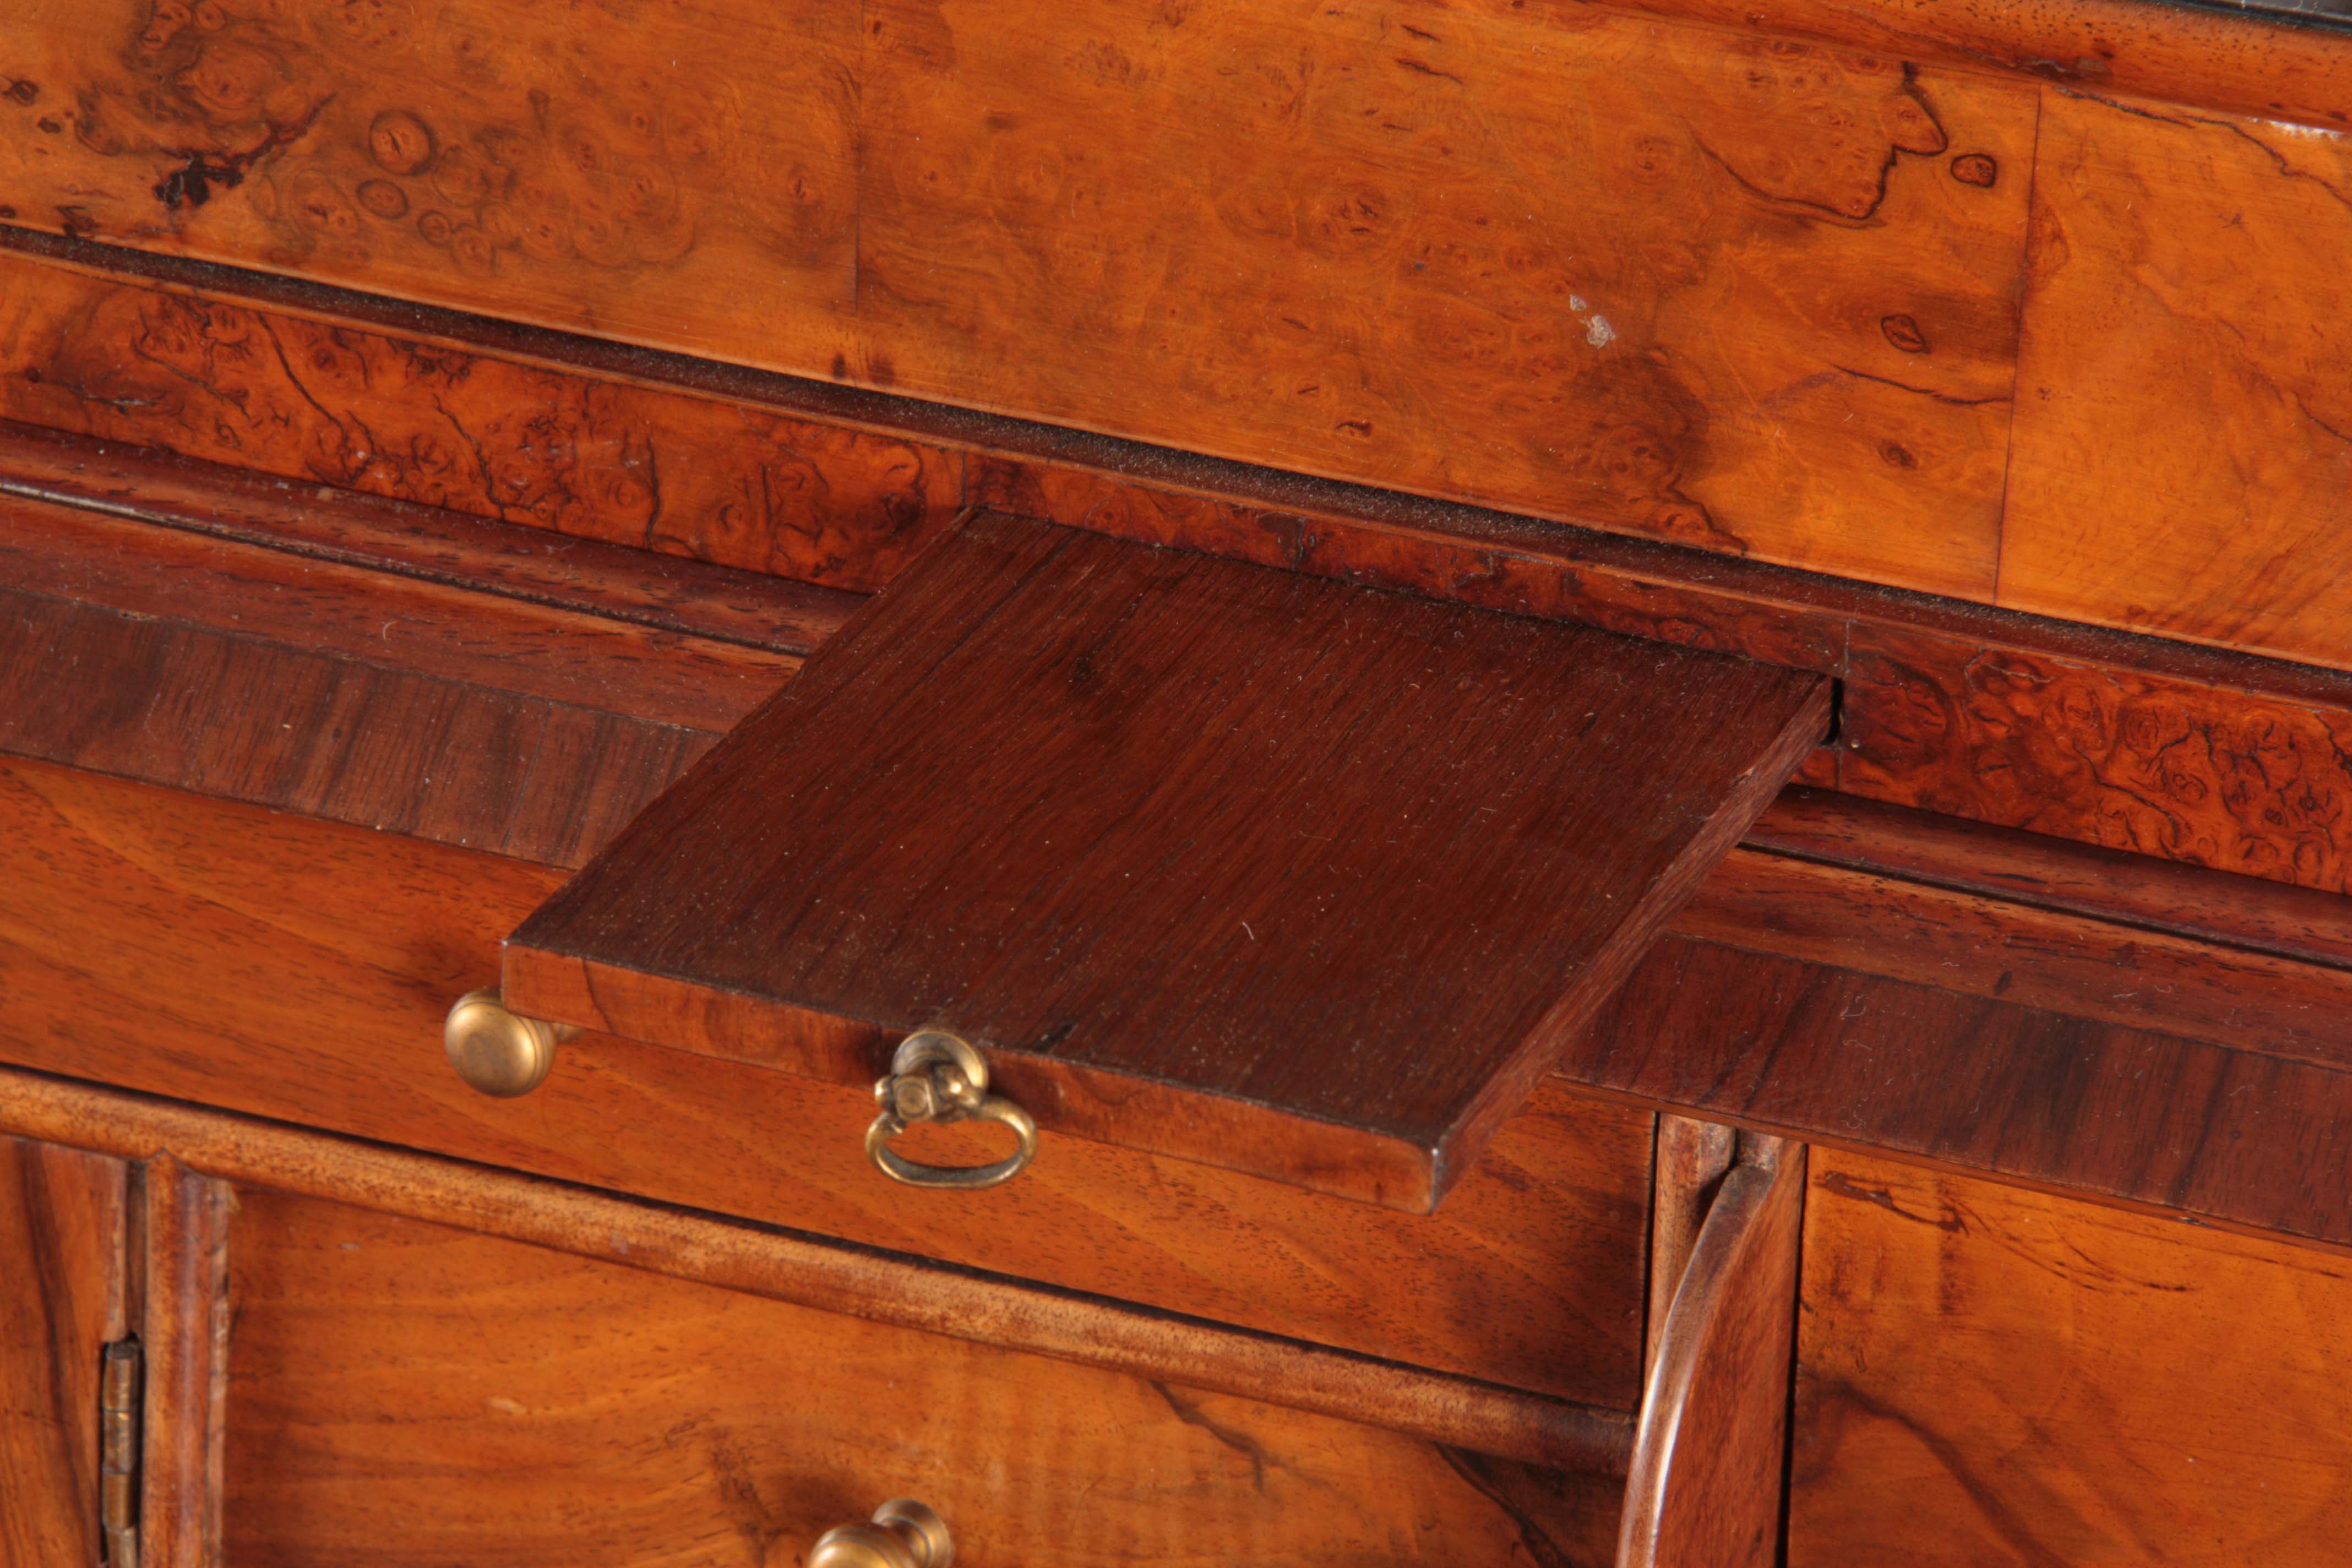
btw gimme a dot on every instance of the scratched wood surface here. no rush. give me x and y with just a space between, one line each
1322 875
351 944
63 1251
625 1418
1758 297
1990 1377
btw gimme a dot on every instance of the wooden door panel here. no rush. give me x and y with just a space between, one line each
404 1393
1989 1375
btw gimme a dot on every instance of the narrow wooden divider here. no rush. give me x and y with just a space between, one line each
186 1325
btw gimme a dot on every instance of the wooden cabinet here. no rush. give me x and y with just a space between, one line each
1236 784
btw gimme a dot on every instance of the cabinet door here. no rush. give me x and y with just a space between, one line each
1989 1376
62 1300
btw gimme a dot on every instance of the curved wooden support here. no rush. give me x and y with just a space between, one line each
1709 1458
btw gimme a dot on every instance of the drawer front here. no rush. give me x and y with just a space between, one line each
1987 1376
401 1393
299 970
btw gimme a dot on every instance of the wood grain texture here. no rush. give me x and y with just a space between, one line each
2144 760
1698 287
703 602
2232 1137
1348 531
537 160
630 1418
453 633
2184 441
2228 57
1325 874
1661 279
832 1276
186 1334
362 660
2120 974
349 946
344 739
1709 1460
428 419
1989 1376
63 1248
2042 872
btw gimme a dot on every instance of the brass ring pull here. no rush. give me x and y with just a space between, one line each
904 1534
936 1077
501 1054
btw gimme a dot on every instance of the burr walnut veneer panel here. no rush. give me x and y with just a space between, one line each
534 162
701 475
1753 295
1213 860
2184 434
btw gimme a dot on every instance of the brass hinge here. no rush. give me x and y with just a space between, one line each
117 1461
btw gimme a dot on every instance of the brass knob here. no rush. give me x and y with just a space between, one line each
935 1077
497 1052
904 1534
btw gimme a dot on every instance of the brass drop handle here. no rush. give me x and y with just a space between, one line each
904 1534
935 1077
499 1053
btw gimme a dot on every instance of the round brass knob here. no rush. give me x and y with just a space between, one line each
935 1077
904 1534
497 1052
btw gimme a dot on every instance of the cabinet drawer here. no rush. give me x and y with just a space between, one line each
297 969
404 1393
